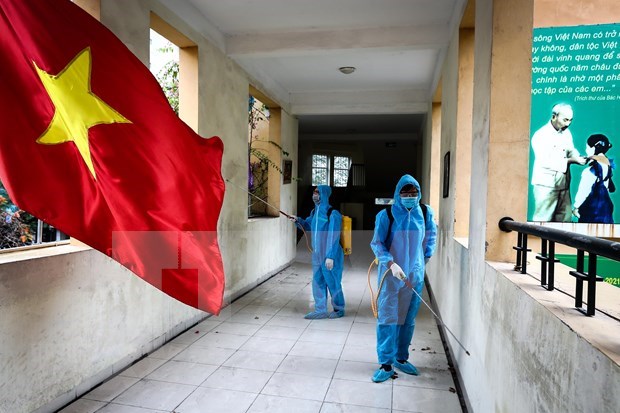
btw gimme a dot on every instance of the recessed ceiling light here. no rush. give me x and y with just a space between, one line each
347 70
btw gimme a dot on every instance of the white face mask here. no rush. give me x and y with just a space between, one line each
316 198
410 202
589 150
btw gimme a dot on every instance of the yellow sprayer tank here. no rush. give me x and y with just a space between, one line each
345 235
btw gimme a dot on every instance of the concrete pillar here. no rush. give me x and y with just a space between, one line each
502 79
92 7
188 85
435 169
275 155
465 96
549 13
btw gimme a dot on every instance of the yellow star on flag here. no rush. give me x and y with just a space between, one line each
77 108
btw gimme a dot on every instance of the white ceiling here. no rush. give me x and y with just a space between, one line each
292 50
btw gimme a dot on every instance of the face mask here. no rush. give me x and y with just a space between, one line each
410 202
316 198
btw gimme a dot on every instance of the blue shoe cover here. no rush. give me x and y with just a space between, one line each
336 314
315 315
382 375
407 367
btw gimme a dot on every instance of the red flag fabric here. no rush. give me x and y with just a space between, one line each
90 145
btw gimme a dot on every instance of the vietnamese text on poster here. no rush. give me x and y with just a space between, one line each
575 131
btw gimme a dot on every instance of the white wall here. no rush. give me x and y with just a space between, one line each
69 321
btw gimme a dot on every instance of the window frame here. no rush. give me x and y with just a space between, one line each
331 168
326 168
334 169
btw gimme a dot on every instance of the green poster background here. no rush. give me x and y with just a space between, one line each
578 65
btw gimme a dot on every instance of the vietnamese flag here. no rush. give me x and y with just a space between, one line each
90 145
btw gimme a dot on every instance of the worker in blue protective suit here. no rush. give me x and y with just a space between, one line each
324 225
404 251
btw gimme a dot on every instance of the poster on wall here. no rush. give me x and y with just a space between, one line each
575 125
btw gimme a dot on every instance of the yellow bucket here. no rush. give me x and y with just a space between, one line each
345 235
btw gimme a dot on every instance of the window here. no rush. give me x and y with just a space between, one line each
320 170
341 170
164 64
259 160
20 229
174 62
328 169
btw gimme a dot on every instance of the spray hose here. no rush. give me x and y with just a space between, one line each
374 301
305 235
291 217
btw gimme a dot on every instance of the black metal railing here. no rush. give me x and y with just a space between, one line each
594 246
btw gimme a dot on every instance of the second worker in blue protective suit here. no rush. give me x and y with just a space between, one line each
324 225
404 250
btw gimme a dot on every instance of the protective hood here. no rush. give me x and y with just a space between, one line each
398 204
324 193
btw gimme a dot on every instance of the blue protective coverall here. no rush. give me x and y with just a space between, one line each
325 235
411 240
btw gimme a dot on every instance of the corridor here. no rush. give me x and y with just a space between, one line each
261 355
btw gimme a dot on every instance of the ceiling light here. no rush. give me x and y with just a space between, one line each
347 70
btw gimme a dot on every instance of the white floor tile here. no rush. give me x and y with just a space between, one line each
430 346
189 336
249 360
283 321
361 340
354 370
299 310
425 333
412 399
287 333
364 328
324 337
337 324
361 394
228 311
350 408
111 388
229 327
83 406
275 404
182 372
308 366
424 360
142 367
310 349
206 325
260 310
296 386
206 400
428 378
364 354
267 300
205 355
121 408
365 315
249 318
268 345
233 378
222 340
156 395
168 351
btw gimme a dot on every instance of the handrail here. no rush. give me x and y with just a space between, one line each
598 246
583 243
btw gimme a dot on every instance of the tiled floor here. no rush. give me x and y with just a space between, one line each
261 355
